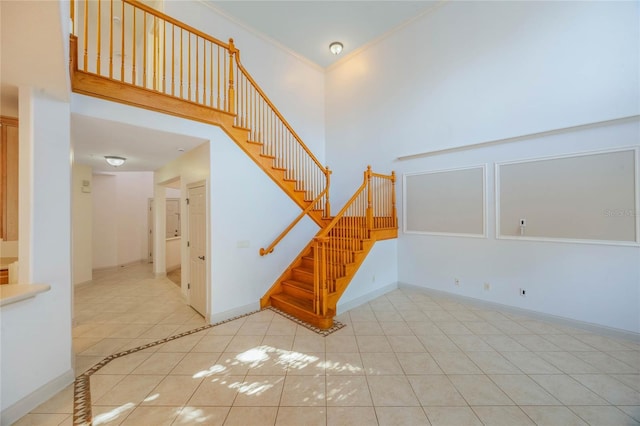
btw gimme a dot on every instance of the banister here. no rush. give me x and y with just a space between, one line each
323 234
271 247
138 4
278 114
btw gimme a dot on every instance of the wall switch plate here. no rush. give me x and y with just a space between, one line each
523 292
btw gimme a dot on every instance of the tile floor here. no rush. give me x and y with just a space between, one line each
405 358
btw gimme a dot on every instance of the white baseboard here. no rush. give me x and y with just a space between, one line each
588 326
354 303
232 313
22 407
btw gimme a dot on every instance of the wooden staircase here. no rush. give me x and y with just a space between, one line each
313 283
212 86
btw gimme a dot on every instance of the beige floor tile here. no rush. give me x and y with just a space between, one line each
609 388
110 415
601 343
367 328
173 391
101 384
260 391
373 344
388 315
631 380
530 363
502 416
396 328
42 419
201 416
479 390
131 389
481 328
424 328
217 391
125 364
227 329
199 365
400 416
283 342
552 416
362 313
504 343
344 363
452 416
568 363
381 364
405 344
183 344
351 416
631 358
300 391
351 391
241 343
603 416
451 328
469 343
491 362
309 343
605 363
157 416
567 390
105 347
304 363
523 391
341 343
253 328
412 314
568 343
159 363
510 327
418 363
159 331
211 343
251 416
436 390
455 363
281 327
535 343
631 411
297 416
391 391
438 343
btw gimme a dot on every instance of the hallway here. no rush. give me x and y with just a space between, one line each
405 358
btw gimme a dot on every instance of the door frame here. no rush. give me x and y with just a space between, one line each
186 272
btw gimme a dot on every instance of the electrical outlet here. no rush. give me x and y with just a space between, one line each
487 286
523 292
456 281
523 222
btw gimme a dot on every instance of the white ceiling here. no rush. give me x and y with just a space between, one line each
145 149
308 27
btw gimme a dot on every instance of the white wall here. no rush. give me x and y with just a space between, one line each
295 86
472 72
120 202
82 221
36 359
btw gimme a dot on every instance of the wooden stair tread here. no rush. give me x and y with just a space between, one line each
306 305
300 285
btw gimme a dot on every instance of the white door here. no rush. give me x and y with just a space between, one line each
198 248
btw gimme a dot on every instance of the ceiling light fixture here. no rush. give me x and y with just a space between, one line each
115 161
336 47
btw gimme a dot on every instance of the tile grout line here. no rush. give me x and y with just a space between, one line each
82 415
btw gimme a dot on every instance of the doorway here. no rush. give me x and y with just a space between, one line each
197 246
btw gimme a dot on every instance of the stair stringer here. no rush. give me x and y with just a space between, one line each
351 268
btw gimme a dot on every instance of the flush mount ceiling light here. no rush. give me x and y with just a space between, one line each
115 161
336 47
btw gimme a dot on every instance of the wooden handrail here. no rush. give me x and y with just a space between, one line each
280 116
271 247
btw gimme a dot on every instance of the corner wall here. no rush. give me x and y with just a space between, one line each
475 72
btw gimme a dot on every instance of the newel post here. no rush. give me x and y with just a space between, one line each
327 204
232 92
367 178
394 212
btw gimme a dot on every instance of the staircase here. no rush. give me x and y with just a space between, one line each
155 62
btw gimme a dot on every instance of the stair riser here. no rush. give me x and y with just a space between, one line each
302 314
302 276
296 292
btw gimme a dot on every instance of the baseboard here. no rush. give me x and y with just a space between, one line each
587 326
22 407
235 312
354 303
118 267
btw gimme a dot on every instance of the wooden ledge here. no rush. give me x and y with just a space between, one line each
12 293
